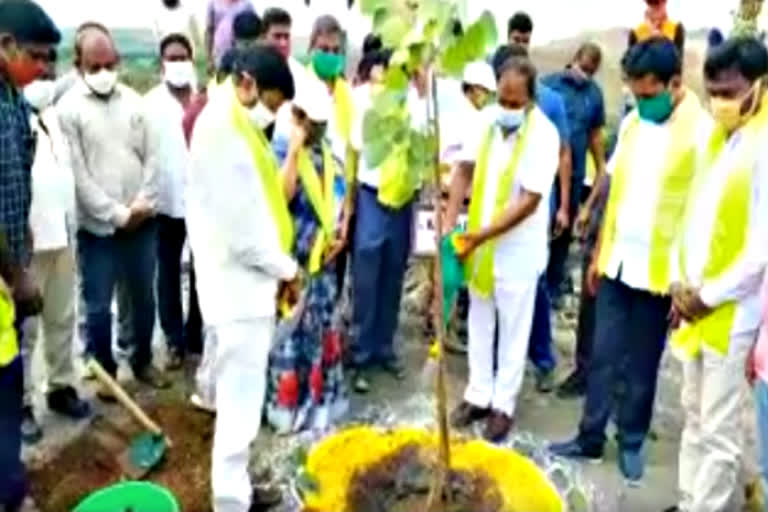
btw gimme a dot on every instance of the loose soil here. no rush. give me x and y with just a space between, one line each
401 483
90 462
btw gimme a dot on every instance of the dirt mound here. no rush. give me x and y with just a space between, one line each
401 483
90 462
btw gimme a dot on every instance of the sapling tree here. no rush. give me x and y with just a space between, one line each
425 46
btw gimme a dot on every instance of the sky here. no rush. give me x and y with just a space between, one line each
554 19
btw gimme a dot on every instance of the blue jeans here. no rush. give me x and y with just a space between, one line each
540 345
382 243
12 480
761 405
128 258
629 340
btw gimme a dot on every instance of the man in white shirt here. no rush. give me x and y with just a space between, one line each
240 231
477 87
510 165
115 174
165 106
652 171
53 263
716 285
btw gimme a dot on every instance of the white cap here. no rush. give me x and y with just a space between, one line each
312 96
480 73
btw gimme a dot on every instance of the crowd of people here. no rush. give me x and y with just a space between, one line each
261 172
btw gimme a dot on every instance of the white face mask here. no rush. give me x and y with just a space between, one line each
179 73
510 119
40 94
103 82
261 116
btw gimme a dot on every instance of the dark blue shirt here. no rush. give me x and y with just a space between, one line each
17 147
553 106
585 111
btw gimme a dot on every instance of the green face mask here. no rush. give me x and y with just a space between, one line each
327 65
656 109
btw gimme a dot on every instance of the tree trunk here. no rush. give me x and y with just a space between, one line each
440 484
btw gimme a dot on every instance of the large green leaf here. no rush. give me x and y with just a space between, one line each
382 130
369 7
474 44
393 29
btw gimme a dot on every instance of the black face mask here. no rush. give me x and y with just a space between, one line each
171 4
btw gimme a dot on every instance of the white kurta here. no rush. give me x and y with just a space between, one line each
238 261
520 257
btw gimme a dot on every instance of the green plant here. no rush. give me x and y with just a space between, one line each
425 44
745 18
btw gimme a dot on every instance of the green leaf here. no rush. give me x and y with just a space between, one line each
393 29
477 40
379 17
396 78
382 130
370 7
417 53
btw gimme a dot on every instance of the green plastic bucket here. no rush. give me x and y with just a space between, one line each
130 496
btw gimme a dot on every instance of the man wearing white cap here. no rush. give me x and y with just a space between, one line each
305 385
477 86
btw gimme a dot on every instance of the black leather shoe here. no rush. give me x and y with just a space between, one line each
466 414
65 401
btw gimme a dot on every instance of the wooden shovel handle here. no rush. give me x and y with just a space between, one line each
126 401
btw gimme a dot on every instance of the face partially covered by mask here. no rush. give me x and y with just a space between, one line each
510 119
732 113
655 109
261 116
102 82
24 64
179 74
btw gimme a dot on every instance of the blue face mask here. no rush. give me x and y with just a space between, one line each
509 118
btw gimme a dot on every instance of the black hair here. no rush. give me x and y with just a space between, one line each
371 60
267 67
747 55
657 56
372 43
226 64
246 26
175 38
523 66
325 25
504 53
591 51
27 22
520 22
275 16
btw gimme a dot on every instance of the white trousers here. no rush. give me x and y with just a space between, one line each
713 395
241 377
205 377
54 329
512 306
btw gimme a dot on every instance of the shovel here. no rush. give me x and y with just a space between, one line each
147 449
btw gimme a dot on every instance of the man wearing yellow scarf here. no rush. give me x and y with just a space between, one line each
241 233
720 262
651 172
